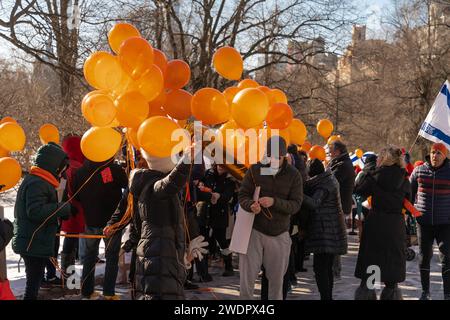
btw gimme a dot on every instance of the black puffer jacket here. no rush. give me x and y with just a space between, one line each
343 171
383 240
160 270
6 233
326 227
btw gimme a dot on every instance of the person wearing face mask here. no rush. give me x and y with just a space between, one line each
280 196
430 183
36 212
326 228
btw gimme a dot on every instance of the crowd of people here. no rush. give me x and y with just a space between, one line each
181 215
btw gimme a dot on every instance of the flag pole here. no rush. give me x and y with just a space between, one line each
414 143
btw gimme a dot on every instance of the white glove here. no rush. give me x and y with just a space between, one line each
197 248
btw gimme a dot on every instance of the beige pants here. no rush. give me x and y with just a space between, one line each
273 253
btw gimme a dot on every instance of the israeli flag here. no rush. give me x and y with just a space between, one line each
436 126
356 161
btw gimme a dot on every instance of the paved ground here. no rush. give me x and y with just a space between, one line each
227 288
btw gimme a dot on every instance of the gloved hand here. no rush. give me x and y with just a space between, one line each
197 249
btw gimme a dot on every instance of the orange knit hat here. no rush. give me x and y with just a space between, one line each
440 147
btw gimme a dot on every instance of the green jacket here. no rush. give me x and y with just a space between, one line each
36 201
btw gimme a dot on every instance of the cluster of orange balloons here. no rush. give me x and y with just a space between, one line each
139 89
133 84
12 139
259 109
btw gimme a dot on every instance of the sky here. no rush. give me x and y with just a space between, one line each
372 8
375 9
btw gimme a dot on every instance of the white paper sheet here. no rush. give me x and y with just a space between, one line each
243 227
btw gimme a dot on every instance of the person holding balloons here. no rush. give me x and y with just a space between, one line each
160 265
100 186
280 197
342 168
36 213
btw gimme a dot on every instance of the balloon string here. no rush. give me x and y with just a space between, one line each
126 218
68 200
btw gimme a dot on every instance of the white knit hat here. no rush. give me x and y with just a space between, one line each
163 165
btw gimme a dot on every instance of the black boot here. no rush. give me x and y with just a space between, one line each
229 271
202 269
425 280
391 293
364 293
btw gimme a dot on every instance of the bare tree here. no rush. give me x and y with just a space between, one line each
57 33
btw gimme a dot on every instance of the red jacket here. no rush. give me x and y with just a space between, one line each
71 146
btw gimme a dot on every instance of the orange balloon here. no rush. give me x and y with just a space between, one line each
359 153
132 109
156 111
155 136
229 94
317 152
182 123
298 131
131 135
157 103
89 67
98 109
119 33
228 63
3 152
231 137
178 104
7 119
12 136
160 60
250 107
49 133
10 173
325 128
268 93
177 74
284 133
102 70
333 138
151 83
100 144
250 152
306 146
114 124
136 56
247 83
125 85
278 96
280 116
210 106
